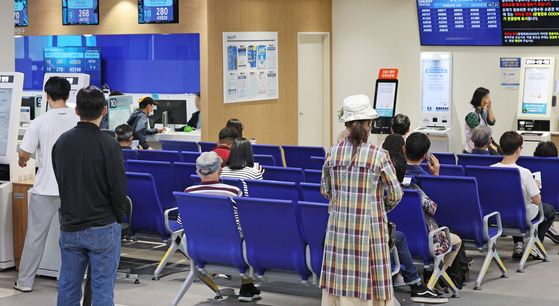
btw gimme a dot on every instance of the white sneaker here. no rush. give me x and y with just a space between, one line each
21 288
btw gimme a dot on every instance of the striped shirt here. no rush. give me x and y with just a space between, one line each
213 188
245 173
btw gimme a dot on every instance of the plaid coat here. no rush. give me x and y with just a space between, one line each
356 260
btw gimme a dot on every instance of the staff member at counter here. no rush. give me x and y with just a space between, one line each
481 113
195 119
139 122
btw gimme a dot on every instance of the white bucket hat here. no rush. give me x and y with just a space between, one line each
357 107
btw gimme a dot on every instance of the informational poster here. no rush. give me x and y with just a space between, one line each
536 88
510 72
250 66
436 85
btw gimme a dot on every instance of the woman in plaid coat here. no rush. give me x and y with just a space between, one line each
356 265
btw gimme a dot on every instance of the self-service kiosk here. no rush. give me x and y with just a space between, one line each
385 104
77 82
438 117
537 113
11 88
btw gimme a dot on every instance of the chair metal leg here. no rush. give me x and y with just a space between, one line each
175 245
127 275
439 271
204 278
531 242
187 283
491 254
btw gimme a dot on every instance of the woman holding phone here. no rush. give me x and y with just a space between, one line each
481 113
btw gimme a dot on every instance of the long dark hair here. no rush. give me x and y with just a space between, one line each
241 154
357 132
237 125
478 96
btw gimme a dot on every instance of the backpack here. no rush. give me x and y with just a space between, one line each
459 271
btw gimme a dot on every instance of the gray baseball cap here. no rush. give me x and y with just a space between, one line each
208 163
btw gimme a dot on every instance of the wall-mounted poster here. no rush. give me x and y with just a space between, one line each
250 66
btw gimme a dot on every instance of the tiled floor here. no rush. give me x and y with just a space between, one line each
539 285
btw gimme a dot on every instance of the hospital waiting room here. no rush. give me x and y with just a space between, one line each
267 152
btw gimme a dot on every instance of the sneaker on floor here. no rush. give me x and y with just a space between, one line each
518 250
399 281
248 293
552 234
421 294
21 288
536 254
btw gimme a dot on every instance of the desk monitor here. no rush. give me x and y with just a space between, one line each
176 111
436 89
385 105
28 104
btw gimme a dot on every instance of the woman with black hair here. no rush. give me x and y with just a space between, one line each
237 125
481 113
240 164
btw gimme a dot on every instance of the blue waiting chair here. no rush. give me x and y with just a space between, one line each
313 176
275 151
549 168
450 170
458 206
478 160
273 190
225 180
209 246
265 160
317 162
149 215
272 245
286 174
158 155
409 219
500 189
311 193
183 171
129 154
300 157
314 217
206 146
178 145
164 175
189 157
444 158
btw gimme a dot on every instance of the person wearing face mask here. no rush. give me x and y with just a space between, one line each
480 114
139 122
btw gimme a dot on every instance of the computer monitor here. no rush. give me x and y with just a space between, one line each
176 110
29 101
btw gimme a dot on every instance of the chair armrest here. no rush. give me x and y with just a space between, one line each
486 224
396 261
432 234
166 216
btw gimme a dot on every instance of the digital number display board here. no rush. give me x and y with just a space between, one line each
80 12
489 22
158 11
20 13
74 60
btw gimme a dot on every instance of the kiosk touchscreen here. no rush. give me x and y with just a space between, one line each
77 82
11 87
537 111
385 104
436 102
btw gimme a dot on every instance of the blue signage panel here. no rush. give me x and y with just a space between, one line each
20 13
158 11
80 12
74 60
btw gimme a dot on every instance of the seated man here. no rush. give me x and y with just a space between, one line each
226 138
208 167
511 144
481 136
400 124
416 150
546 149
124 135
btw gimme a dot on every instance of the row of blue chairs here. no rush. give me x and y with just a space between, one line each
182 156
295 156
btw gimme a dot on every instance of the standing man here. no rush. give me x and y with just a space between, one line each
139 122
88 167
44 200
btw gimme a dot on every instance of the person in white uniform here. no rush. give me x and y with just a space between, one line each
44 200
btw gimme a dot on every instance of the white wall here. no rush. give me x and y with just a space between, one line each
372 34
7 51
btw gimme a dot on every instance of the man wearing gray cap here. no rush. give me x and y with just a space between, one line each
208 167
